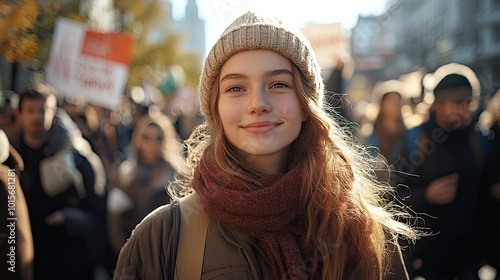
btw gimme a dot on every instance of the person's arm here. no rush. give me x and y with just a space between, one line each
415 191
145 253
89 216
440 191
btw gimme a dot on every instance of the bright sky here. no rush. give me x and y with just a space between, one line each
220 13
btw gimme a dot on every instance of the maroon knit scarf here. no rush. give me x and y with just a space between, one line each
269 214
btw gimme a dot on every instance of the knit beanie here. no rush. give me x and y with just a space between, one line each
251 32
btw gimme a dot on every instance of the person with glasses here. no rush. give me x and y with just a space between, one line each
152 159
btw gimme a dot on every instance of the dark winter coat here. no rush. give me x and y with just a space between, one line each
64 175
488 232
438 153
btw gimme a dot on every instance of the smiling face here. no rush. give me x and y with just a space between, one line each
259 108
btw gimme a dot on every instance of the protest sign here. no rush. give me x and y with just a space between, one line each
88 66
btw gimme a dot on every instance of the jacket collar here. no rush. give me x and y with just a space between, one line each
245 243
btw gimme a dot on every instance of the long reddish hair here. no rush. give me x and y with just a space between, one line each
347 218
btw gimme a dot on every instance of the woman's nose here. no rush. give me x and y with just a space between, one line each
259 102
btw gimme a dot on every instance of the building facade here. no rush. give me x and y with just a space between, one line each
190 27
428 33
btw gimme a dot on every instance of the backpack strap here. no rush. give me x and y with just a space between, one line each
169 269
194 226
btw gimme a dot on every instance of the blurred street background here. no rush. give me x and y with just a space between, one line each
139 63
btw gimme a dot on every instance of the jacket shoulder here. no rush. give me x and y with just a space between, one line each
143 255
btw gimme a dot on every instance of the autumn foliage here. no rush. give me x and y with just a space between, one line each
26 26
18 43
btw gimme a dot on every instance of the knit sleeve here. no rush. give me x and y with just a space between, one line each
144 254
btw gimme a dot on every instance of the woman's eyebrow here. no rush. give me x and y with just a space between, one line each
233 76
267 74
277 72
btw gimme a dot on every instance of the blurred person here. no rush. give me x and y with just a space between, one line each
184 108
86 119
337 102
108 141
8 120
281 188
388 134
137 110
387 141
152 159
64 185
489 213
106 137
447 156
116 125
17 263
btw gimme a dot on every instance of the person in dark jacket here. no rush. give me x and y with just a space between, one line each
16 241
488 231
64 185
448 156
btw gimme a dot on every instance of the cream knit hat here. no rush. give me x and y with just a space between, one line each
249 32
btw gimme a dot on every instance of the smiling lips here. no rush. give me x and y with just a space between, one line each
260 127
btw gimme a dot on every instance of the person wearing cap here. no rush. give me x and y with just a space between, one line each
447 156
284 192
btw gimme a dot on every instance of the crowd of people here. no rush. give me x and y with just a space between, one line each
87 176
446 170
287 192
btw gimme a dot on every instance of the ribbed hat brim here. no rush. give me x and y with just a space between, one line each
251 32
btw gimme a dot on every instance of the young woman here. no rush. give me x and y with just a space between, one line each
285 193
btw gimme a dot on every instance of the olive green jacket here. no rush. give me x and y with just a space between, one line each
228 254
